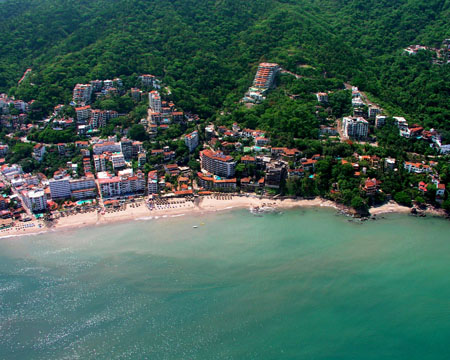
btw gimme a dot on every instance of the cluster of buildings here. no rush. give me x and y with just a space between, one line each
415 131
231 139
414 49
181 183
83 94
117 153
271 163
267 168
147 81
417 167
441 54
161 114
371 186
14 113
431 175
356 126
151 81
7 103
89 119
12 205
365 113
125 183
218 169
64 186
92 119
264 80
36 191
111 160
108 163
115 178
362 107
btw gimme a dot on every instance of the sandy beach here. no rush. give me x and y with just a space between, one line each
393 207
229 202
177 207
26 228
390 207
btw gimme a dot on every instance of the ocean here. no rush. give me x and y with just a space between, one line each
301 284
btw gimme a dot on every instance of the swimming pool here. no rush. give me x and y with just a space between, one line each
82 202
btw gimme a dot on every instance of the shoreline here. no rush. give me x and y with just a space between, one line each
176 207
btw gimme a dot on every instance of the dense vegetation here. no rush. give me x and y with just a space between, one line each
339 182
207 51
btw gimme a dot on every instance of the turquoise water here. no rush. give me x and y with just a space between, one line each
82 202
305 284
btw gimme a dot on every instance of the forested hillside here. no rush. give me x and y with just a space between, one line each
207 51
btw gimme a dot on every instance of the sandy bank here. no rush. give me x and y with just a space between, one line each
390 207
26 228
177 207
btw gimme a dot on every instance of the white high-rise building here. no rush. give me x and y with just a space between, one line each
106 146
373 111
150 80
153 182
154 101
122 185
34 199
380 121
82 93
191 140
100 163
265 75
322 97
83 114
217 163
355 127
83 188
401 122
60 188
118 161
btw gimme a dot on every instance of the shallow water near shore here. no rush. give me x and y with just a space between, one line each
304 283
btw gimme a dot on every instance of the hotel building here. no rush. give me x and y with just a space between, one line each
217 163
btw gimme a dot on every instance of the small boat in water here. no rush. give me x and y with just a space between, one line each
195 226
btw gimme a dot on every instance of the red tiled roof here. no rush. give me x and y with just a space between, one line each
83 108
247 158
216 155
291 152
184 192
